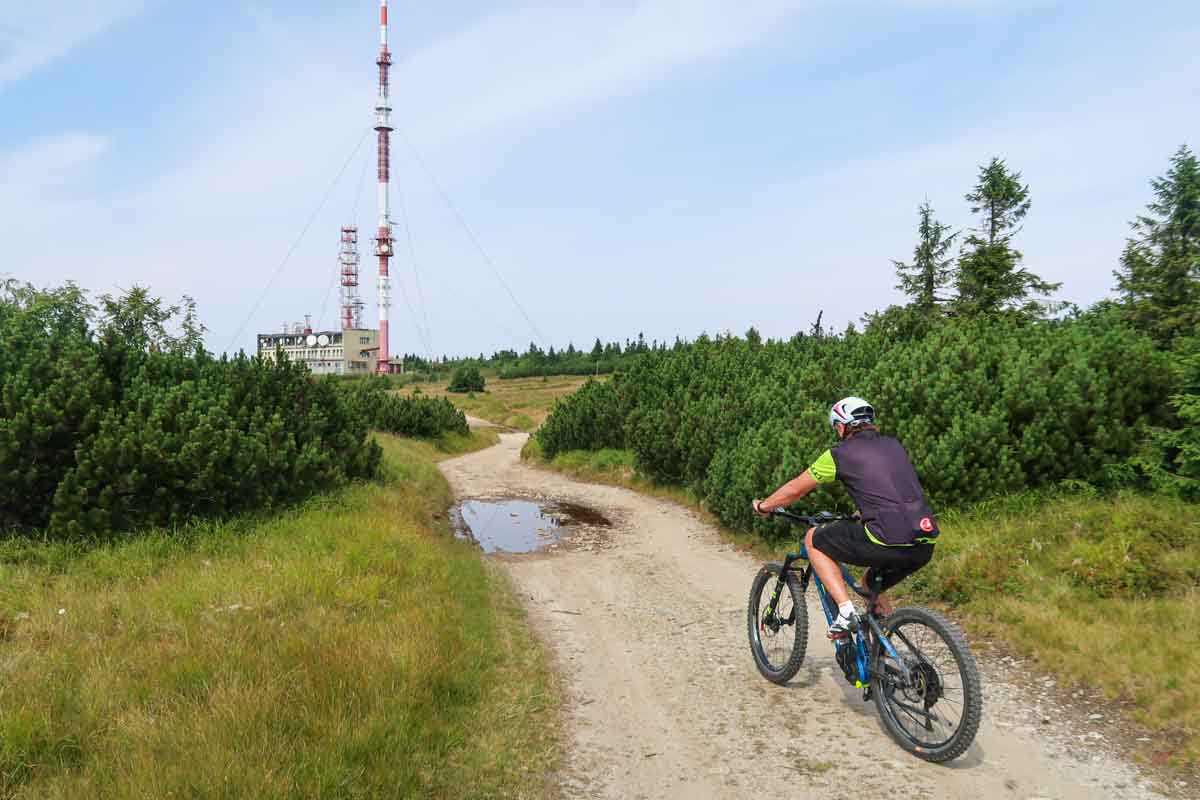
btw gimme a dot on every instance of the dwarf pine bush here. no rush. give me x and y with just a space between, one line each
110 422
372 401
466 379
984 406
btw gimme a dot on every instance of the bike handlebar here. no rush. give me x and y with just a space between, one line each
819 518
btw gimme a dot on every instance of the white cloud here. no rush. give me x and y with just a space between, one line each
34 34
49 161
533 59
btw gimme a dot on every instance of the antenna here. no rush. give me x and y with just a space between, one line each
352 304
383 241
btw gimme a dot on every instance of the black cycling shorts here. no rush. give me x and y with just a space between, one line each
846 541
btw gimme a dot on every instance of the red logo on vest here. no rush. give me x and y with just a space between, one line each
927 524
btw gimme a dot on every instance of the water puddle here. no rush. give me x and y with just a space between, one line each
521 526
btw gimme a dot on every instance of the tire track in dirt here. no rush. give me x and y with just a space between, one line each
664 701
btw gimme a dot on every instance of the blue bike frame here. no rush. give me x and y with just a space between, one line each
862 658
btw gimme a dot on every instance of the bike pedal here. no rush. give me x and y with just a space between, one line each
839 636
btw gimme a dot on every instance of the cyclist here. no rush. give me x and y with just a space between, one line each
894 529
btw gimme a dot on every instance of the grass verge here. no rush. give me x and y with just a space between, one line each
1102 592
347 648
521 403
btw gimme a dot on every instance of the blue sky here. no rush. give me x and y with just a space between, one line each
665 166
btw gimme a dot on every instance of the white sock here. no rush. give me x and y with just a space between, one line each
846 610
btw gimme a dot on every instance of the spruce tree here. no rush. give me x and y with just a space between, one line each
1159 278
990 276
932 267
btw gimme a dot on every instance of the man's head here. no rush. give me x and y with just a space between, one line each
851 415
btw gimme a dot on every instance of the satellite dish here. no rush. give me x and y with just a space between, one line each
311 340
322 340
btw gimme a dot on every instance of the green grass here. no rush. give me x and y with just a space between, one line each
1102 592
521 403
347 648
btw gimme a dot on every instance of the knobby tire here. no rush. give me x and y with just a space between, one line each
968 671
764 581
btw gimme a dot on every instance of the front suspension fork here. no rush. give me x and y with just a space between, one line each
781 581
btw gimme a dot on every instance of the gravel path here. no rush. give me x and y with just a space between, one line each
647 622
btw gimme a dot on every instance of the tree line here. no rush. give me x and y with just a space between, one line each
603 358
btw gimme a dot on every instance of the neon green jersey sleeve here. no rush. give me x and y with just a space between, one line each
823 469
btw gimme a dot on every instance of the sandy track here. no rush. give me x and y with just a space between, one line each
664 700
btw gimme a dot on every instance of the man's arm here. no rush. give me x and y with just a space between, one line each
823 470
789 493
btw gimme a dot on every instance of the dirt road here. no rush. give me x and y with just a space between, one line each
664 701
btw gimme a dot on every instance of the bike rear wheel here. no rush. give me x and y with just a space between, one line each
932 703
777 641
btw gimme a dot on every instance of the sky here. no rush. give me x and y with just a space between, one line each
567 171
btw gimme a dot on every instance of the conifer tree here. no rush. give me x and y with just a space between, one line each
990 276
932 267
1159 278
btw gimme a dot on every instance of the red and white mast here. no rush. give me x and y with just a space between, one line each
348 263
383 242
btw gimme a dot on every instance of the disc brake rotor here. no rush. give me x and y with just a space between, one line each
925 685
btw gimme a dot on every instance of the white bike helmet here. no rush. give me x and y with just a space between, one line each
851 411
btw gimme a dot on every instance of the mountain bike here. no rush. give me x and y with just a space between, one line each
914 663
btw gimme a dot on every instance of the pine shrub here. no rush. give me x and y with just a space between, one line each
380 409
589 419
109 423
1173 458
466 379
984 406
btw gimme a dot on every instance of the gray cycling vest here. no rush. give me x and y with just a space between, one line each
879 477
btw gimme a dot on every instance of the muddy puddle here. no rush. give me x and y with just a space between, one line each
522 526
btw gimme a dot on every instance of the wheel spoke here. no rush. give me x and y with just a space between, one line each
930 661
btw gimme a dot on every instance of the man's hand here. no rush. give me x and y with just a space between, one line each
756 505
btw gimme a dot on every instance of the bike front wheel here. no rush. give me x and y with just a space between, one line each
777 639
932 702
